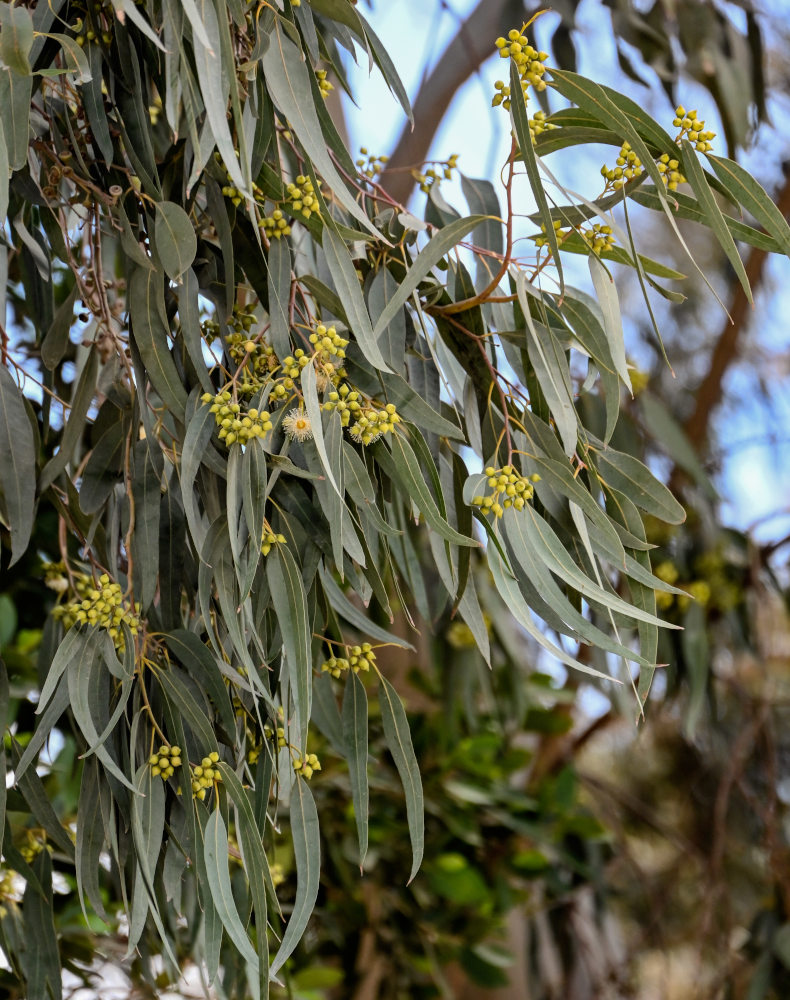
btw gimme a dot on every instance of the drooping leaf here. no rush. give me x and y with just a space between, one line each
398 737
18 461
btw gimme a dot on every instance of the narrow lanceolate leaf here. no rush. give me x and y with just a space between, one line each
278 282
175 238
146 307
403 462
355 743
82 680
428 257
713 215
509 592
346 282
288 82
91 836
146 492
307 852
199 663
41 960
552 372
215 854
610 309
632 477
748 193
290 606
313 408
16 38
255 865
518 112
18 462
15 94
398 738
214 81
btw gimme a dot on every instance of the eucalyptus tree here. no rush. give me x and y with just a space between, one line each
254 414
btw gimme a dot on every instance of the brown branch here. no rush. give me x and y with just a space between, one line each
468 50
729 342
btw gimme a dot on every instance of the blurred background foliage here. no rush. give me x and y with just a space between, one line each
568 853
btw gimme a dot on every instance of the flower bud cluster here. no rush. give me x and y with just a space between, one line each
693 129
35 842
433 176
302 197
236 425
358 658
323 84
598 237
85 32
539 123
628 166
101 604
275 226
307 766
508 489
328 343
165 761
205 775
365 421
668 168
269 539
275 735
371 166
529 63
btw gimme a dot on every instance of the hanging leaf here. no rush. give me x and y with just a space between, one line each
18 461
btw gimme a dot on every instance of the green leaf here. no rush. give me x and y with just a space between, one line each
18 462
713 215
83 681
627 474
216 857
355 742
511 595
41 959
175 238
192 713
398 739
56 341
346 282
16 38
609 303
441 244
91 836
307 852
402 464
288 83
198 661
352 614
278 282
748 193
255 489
146 307
313 408
392 342
146 494
214 80
520 117
255 865
15 96
290 606
552 372
76 60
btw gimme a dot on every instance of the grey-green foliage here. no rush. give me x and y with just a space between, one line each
176 175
